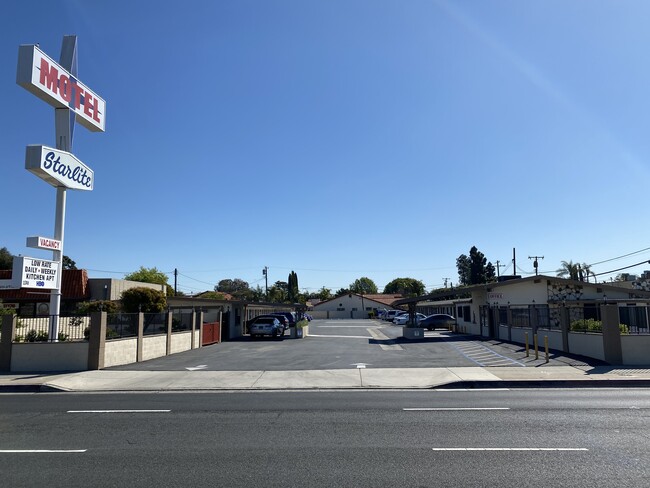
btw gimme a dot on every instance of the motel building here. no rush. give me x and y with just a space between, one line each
568 313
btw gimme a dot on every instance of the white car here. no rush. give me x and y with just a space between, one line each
402 318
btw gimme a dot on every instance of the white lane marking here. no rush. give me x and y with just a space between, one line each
443 409
341 336
470 389
360 365
119 411
197 368
379 336
510 449
25 451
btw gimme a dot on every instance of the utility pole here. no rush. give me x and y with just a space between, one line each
446 279
499 266
265 272
514 262
175 281
535 263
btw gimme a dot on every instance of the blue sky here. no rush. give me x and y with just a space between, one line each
340 139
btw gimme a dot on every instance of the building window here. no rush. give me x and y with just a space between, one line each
354 309
340 309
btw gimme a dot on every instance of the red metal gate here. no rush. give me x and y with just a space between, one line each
211 333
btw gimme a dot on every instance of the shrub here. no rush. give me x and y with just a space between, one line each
596 326
302 323
86 308
33 336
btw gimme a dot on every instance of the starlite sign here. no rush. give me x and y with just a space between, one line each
46 79
58 168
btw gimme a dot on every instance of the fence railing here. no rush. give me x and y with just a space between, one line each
37 329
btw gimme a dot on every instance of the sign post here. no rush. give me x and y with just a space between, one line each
57 84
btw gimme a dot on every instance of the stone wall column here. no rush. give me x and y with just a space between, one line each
140 345
168 350
97 340
612 347
8 334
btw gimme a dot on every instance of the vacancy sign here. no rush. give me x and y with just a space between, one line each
46 79
45 243
59 168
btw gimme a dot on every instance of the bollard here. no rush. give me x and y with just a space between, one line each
536 347
527 348
546 347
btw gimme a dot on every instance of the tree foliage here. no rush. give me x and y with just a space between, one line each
6 259
475 268
575 271
142 299
293 292
148 275
363 286
405 286
236 287
108 306
279 292
68 263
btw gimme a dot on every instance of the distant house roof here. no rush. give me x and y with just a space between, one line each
380 298
74 286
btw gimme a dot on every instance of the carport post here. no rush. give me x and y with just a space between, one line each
200 319
193 340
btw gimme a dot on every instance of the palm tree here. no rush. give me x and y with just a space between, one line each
571 269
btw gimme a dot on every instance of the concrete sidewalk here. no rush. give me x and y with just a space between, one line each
411 378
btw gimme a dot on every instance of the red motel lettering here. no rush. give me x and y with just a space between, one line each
69 90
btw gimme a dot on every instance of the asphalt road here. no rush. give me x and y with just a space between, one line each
343 344
498 438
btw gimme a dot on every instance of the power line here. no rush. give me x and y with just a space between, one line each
620 257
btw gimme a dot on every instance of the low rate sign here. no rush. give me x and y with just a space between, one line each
36 273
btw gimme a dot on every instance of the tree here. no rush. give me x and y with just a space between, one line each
324 294
569 269
6 259
405 286
475 268
342 291
147 275
150 275
292 287
238 288
69 263
213 295
278 293
141 299
363 286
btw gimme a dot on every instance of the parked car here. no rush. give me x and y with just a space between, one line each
289 316
438 320
390 315
265 326
402 318
281 318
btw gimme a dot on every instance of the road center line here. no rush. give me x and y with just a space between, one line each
510 449
442 409
39 451
119 411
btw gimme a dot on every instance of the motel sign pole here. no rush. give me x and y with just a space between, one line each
64 120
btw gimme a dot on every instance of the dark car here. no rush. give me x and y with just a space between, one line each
437 320
265 326
284 321
290 316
